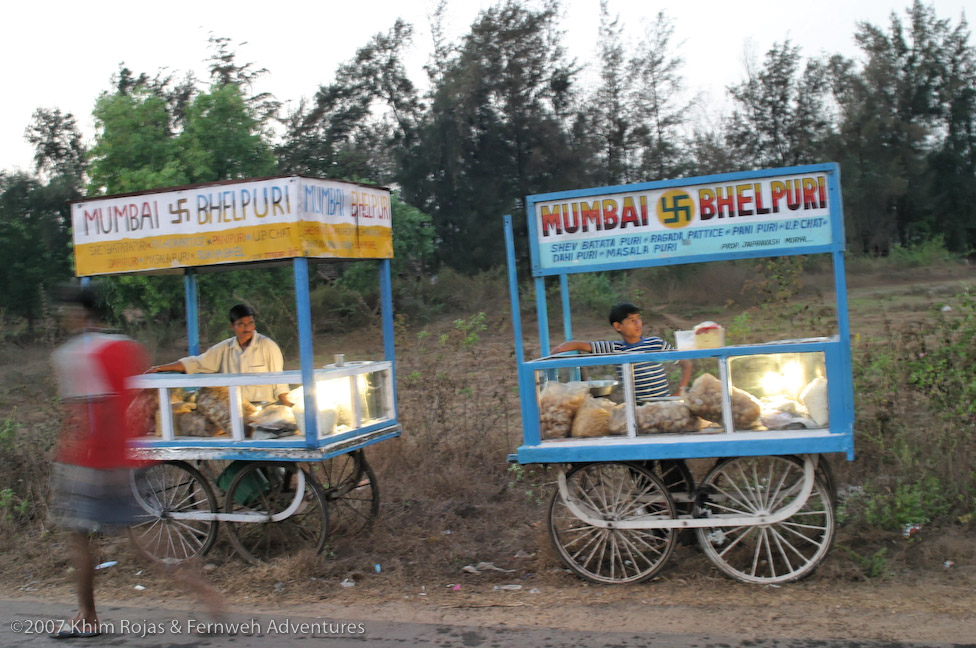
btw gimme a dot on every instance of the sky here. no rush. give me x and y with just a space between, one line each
62 54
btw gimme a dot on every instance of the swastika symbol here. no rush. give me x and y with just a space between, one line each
675 209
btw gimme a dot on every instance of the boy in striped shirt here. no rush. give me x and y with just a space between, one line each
650 379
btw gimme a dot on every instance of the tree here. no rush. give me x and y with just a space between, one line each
658 113
152 133
496 130
34 243
611 116
222 138
58 149
135 144
780 117
355 125
906 133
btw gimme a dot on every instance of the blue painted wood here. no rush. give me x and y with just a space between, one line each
386 316
526 394
837 230
190 295
305 351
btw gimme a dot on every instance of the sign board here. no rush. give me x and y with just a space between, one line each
231 222
761 213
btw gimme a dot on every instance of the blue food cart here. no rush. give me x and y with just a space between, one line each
765 510
285 487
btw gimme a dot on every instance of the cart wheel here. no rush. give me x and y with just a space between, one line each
768 553
351 489
677 477
266 487
617 492
826 473
172 487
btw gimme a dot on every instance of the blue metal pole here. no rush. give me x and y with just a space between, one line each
543 314
386 308
567 318
523 383
192 311
305 351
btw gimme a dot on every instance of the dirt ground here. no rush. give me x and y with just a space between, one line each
936 604
411 565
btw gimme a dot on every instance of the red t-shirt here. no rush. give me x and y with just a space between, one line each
93 370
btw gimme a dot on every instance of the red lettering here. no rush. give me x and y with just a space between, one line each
743 199
610 217
551 220
629 215
809 193
706 204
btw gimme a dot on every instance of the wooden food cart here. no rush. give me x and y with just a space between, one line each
274 492
764 511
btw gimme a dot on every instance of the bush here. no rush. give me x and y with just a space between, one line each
916 419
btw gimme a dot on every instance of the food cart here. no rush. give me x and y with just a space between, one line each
764 512
273 488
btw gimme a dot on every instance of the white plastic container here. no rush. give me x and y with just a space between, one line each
684 340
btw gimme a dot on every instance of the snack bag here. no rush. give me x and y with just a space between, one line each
665 417
558 404
593 417
705 400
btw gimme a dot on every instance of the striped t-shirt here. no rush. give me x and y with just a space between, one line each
650 380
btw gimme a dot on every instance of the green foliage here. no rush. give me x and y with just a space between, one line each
905 138
597 291
33 244
495 131
874 566
781 117
916 502
8 428
740 325
945 357
12 507
916 419
927 253
222 139
468 332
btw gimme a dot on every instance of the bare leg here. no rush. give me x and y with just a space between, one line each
81 556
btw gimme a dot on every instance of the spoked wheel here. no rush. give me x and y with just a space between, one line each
769 553
677 477
267 488
167 488
352 491
612 492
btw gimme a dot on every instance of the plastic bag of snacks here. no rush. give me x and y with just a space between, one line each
664 417
214 404
705 400
655 417
593 417
558 405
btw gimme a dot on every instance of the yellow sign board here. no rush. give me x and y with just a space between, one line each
231 222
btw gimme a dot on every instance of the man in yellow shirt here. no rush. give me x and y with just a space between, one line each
247 352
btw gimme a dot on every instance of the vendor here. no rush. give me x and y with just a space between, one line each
650 378
247 352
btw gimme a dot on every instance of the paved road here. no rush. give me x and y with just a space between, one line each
27 623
